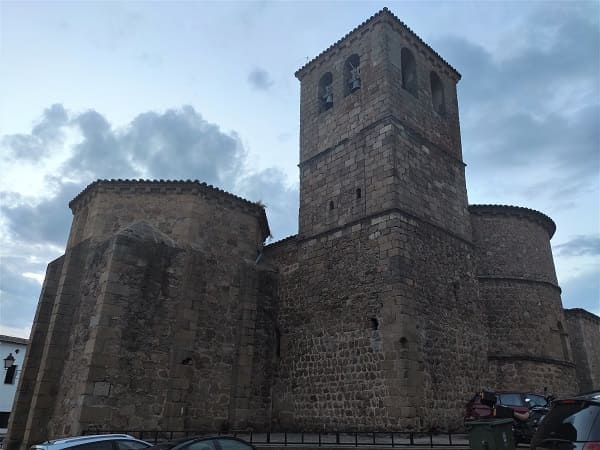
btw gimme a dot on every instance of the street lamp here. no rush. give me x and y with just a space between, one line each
9 361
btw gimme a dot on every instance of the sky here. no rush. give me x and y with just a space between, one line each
205 90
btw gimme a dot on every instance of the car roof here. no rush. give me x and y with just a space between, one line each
91 437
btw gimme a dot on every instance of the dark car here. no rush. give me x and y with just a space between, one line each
572 424
519 401
205 443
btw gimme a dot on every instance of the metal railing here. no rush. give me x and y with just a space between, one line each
319 439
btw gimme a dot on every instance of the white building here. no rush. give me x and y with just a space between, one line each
12 352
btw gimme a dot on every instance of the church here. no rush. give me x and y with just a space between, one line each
393 304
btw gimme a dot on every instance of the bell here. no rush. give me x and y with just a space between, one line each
354 84
328 99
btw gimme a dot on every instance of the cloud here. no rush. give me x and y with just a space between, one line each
536 108
18 295
47 222
259 79
174 144
37 144
281 201
181 144
580 246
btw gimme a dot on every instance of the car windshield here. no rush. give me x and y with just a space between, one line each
510 399
572 421
535 400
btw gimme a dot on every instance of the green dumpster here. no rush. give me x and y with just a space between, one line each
492 434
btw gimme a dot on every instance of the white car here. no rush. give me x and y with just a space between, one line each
94 442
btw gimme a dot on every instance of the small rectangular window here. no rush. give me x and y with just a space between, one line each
4 419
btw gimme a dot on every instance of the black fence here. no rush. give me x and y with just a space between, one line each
312 439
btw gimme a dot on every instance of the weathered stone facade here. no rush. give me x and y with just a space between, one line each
518 286
583 330
395 301
150 322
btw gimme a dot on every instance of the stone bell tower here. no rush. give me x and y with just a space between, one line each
379 129
384 251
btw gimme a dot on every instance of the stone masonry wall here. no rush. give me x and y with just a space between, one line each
31 368
322 130
378 43
384 240
518 285
149 327
190 213
164 338
584 334
533 375
369 315
393 168
416 111
51 351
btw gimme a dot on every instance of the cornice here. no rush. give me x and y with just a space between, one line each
515 211
193 187
582 313
529 358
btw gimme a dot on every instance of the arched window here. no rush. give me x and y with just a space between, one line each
325 92
352 81
437 93
409 71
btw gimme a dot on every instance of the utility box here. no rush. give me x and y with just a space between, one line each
493 434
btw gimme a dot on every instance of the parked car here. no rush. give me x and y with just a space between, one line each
519 401
205 443
572 424
94 442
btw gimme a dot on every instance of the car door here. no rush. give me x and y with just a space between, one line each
129 444
201 444
98 445
233 444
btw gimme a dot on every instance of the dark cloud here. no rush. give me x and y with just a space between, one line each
19 293
280 200
99 153
37 144
176 144
260 79
580 246
47 222
536 108
181 144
